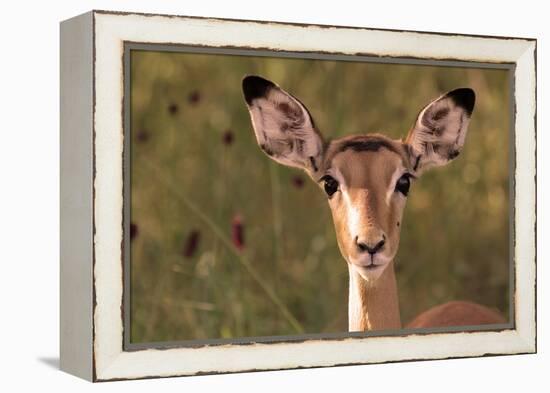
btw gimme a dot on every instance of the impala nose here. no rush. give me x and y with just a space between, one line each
370 247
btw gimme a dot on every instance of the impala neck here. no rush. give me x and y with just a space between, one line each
373 306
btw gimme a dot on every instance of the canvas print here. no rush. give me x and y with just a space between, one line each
282 197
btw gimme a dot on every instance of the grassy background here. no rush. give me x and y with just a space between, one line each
199 182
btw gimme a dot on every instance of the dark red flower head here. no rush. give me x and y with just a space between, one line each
194 97
228 137
142 136
191 244
173 109
298 181
133 230
237 232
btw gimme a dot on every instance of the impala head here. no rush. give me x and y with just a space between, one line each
367 177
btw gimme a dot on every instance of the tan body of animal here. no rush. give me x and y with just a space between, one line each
367 179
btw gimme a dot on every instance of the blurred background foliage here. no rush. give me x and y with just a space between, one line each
226 243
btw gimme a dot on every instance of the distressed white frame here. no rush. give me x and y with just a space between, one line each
111 30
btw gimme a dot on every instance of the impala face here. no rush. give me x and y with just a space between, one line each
366 178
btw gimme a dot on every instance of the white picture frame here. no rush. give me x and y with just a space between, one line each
92 193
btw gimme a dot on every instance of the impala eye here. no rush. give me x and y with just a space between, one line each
331 185
403 184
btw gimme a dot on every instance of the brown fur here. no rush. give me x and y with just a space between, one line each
456 313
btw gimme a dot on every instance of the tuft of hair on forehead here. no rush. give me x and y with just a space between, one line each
368 143
365 143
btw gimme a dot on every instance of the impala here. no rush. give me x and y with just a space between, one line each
366 179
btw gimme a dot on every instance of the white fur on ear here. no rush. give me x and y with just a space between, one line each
283 126
440 130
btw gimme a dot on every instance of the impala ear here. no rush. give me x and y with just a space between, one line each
283 126
440 129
